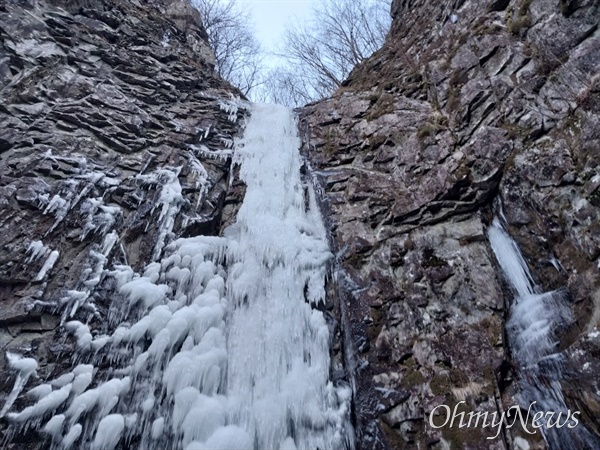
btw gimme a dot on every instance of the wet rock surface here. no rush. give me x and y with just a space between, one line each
115 136
467 103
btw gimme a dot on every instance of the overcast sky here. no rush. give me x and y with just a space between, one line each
271 16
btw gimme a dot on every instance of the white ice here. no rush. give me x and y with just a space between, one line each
170 201
40 391
100 218
54 426
72 436
46 404
36 250
534 315
25 367
109 432
48 265
231 108
531 331
278 346
216 342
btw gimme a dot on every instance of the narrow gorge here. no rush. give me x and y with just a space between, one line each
181 268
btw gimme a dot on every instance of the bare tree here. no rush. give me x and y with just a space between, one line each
283 86
237 51
321 54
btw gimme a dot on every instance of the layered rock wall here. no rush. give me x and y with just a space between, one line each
468 104
115 136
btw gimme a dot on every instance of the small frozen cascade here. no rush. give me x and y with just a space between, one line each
534 315
534 319
216 343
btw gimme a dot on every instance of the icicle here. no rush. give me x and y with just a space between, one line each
49 403
72 436
54 426
100 217
48 265
202 178
81 332
25 367
231 108
37 250
109 432
205 152
170 202
40 391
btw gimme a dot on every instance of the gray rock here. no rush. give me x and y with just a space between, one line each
428 132
94 101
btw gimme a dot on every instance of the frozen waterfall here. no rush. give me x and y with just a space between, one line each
534 315
534 318
278 346
217 344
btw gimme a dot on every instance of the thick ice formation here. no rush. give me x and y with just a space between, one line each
48 265
25 367
109 432
216 344
278 346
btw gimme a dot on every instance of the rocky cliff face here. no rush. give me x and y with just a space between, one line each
115 136
468 105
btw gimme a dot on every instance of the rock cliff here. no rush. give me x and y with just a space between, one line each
468 106
115 136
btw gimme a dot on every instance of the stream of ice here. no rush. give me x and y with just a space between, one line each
534 318
534 315
218 343
278 346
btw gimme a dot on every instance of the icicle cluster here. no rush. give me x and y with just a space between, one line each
216 344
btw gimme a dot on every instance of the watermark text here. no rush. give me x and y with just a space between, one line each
493 420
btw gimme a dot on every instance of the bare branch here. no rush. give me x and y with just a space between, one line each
343 34
237 51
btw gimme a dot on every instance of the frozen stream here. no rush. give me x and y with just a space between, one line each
216 344
278 346
534 319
